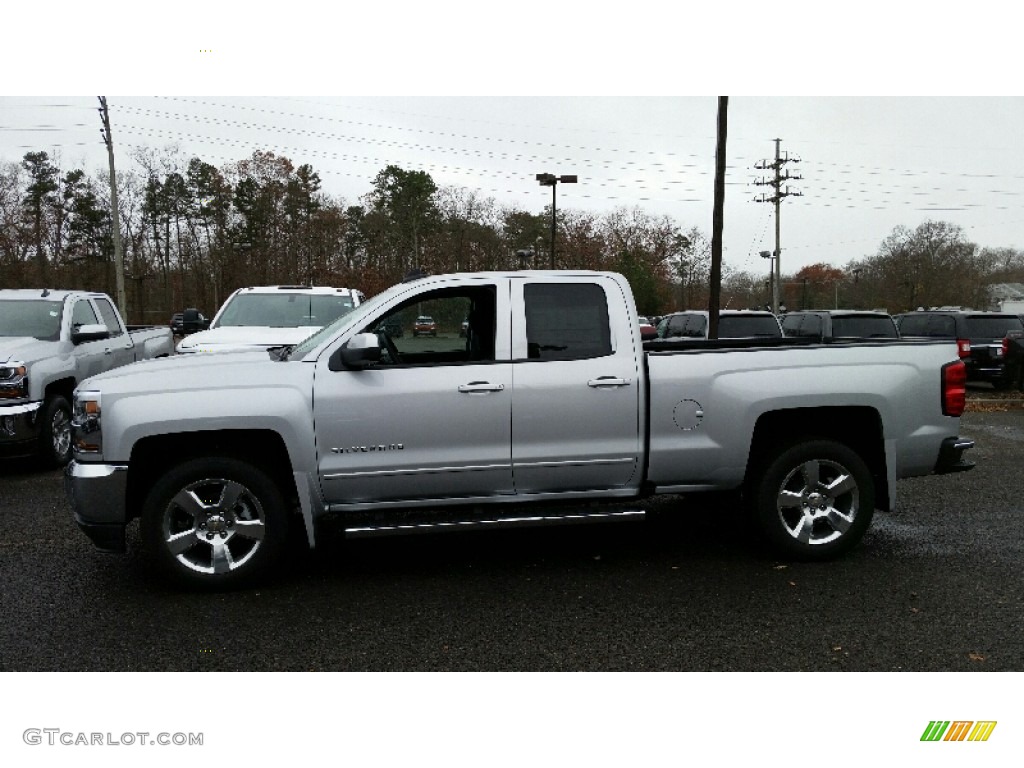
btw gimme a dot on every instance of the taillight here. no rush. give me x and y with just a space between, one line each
1006 347
954 388
963 347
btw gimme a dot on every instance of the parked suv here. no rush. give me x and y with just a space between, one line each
831 324
980 338
732 324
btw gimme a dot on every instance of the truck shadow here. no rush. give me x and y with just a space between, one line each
675 531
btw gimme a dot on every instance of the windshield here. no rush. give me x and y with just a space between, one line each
35 319
283 310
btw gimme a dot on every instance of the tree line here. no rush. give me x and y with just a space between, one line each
193 232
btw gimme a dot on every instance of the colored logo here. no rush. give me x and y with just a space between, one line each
958 730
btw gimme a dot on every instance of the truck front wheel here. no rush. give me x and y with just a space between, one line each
814 500
55 431
214 522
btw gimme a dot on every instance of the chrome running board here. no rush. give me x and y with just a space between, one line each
398 528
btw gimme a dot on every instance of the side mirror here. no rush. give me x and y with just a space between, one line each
192 321
92 332
360 352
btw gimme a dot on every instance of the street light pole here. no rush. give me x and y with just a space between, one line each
550 180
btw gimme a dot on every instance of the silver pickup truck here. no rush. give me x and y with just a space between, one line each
547 407
50 341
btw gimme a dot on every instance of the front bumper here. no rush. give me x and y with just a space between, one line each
97 494
951 456
19 428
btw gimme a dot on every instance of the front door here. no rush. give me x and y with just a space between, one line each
433 418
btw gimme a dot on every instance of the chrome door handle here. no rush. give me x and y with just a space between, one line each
480 386
608 381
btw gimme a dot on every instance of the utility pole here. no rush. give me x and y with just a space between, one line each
718 218
115 218
777 198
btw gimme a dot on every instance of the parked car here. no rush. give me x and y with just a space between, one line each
49 342
424 326
271 316
732 324
832 324
561 410
979 338
647 329
1013 352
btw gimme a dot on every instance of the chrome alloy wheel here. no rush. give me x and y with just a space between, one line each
60 432
818 502
213 526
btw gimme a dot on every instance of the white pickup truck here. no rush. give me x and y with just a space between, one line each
548 406
49 342
270 316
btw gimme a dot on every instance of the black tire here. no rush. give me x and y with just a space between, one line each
814 500
214 523
55 431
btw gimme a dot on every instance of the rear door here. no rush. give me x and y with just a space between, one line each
577 393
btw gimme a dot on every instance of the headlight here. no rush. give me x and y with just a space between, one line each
86 422
13 381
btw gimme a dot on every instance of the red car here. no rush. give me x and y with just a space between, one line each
424 326
647 330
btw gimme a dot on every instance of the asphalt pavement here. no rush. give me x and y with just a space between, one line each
935 586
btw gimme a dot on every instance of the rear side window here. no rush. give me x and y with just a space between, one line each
566 321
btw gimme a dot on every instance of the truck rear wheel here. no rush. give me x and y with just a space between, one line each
55 431
214 522
814 500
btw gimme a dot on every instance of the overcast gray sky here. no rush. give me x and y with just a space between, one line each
868 163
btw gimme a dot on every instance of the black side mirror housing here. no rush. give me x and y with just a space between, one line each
192 321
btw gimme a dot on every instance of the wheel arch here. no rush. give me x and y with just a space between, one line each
64 387
152 456
857 427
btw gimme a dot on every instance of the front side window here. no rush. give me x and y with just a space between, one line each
442 327
566 321
83 314
109 317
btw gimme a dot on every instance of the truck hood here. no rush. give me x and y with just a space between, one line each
187 372
27 349
232 338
